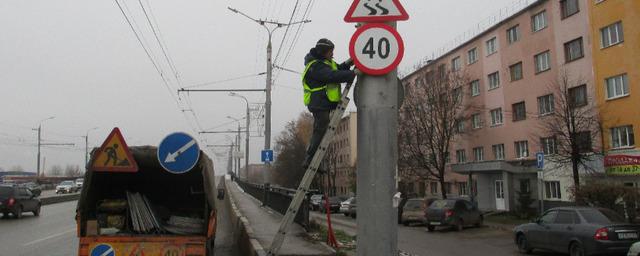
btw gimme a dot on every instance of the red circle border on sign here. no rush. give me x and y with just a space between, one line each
376 72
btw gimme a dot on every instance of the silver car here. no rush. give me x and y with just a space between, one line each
344 206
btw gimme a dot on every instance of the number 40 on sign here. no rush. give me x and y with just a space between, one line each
376 48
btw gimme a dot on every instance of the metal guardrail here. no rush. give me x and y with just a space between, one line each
277 198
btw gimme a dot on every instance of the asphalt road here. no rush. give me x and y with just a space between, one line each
52 233
224 244
416 240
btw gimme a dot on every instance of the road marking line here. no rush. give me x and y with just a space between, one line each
48 237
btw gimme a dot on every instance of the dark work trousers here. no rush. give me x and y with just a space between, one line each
320 125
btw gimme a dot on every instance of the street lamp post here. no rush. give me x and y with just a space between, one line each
246 148
237 161
86 147
39 142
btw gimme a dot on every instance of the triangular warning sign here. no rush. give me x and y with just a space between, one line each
114 155
376 11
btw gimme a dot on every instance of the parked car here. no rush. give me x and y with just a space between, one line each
351 211
17 200
634 250
334 204
315 201
413 211
79 182
34 187
456 213
66 186
344 206
578 231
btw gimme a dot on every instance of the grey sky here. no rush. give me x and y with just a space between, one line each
80 62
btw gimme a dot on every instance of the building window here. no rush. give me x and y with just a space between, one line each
476 122
545 104
456 64
519 111
498 151
543 62
461 156
549 145
460 126
516 71
475 87
539 21
513 34
522 149
552 189
617 86
573 50
496 116
478 154
441 70
463 189
578 96
583 141
569 7
611 35
525 186
457 94
494 80
472 56
622 137
447 187
434 187
492 46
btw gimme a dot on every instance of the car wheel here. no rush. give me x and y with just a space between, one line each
5 215
36 212
18 213
523 245
575 249
459 225
480 222
430 228
345 214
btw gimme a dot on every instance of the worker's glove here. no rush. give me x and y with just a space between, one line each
357 72
348 62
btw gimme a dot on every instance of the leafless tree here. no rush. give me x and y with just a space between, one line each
428 118
72 171
291 150
569 131
55 170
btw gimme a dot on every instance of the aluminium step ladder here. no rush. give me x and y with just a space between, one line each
310 173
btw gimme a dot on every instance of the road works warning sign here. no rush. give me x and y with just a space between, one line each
114 155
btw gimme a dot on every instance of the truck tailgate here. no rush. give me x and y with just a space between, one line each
143 245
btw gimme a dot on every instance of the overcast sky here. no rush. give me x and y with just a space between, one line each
80 62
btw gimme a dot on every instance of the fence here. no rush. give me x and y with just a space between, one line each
277 198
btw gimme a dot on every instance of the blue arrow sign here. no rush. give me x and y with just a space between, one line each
540 160
267 155
178 153
103 250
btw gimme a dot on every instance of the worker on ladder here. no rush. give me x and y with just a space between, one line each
321 81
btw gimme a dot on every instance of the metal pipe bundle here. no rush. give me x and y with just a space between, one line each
143 218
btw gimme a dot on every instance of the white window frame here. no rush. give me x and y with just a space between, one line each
460 126
475 88
498 151
461 156
607 35
513 34
617 86
476 121
522 149
542 61
478 154
472 56
494 80
492 46
552 190
463 189
456 64
539 21
622 137
546 105
549 145
496 117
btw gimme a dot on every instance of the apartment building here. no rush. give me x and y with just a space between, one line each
513 69
340 160
616 56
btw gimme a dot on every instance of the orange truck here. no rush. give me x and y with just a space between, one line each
148 211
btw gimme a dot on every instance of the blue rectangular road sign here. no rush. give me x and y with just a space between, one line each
267 155
540 160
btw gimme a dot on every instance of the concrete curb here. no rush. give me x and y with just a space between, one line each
59 199
247 243
498 226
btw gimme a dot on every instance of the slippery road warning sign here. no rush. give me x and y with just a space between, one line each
376 11
376 48
114 155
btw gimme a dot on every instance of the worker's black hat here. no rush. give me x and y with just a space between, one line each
324 45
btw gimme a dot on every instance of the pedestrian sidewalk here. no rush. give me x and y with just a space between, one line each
264 223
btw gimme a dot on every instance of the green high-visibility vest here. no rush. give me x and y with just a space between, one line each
332 90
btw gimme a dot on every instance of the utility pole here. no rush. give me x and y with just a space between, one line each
86 147
39 129
248 117
377 102
267 122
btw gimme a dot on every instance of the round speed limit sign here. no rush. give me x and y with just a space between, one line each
376 48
